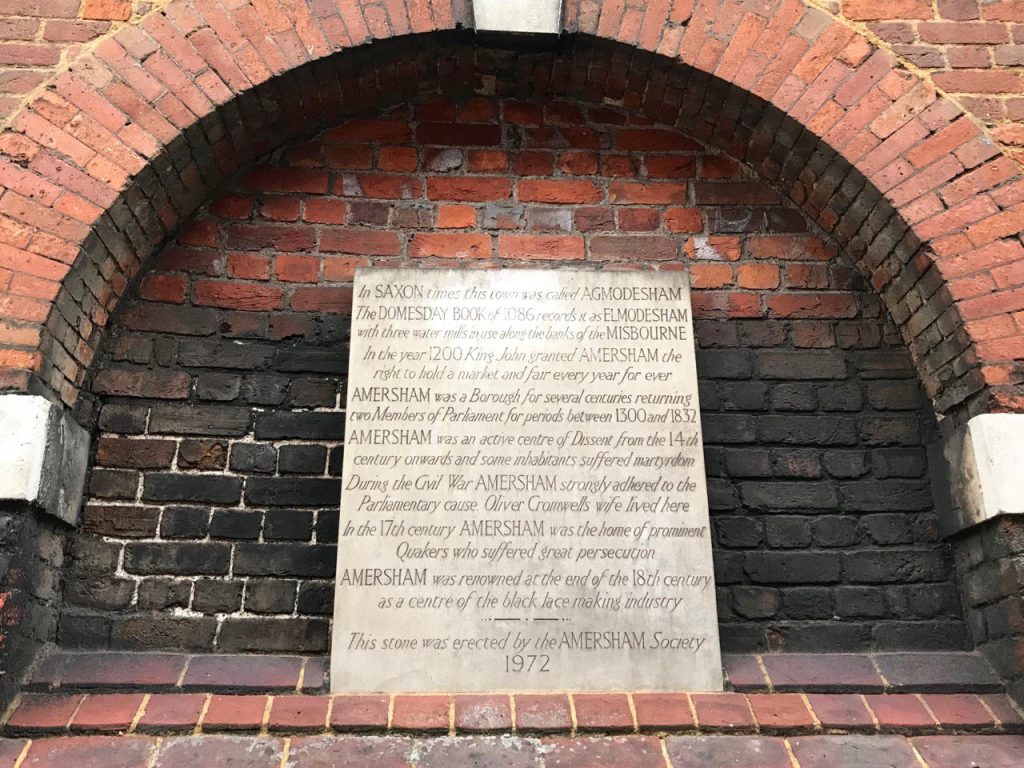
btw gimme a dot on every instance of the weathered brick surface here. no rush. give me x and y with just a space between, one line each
824 529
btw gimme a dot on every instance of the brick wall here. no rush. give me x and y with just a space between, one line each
220 386
990 569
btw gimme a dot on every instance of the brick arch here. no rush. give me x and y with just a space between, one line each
115 152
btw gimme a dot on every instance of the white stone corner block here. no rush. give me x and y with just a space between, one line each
43 456
542 17
986 478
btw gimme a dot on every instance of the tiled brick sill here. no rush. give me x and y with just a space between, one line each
785 714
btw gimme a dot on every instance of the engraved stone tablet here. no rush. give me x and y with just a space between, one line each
524 502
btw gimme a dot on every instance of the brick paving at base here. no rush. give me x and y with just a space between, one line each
509 751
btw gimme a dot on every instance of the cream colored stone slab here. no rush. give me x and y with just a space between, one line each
520 16
524 502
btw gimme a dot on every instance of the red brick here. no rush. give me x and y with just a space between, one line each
458 134
421 713
333 300
111 670
342 269
980 81
402 159
958 711
603 712
358 713
235 713
325 210
359 131
653 140
297 269
468 189
578 163
248 266
166 288
711 275
487 161
671 166
380 186
230 295
232 206
522 113
628 193
359 157
540 247
107 712
366 242
813 305
112 10
456 217
171 712
535 163
799 248
780 712
656 711
898 712
963 33
298 713
543 712
450 246
639 219
280 237
628 248
38 712
557 191
722 711
841 711
270 179
683 220
483 713
757 276
279 208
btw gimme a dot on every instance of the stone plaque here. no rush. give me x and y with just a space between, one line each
524 503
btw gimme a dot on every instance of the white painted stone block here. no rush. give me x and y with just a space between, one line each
986 479
522 16
43 456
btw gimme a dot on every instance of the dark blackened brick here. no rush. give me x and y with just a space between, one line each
292 492
217 596
179 559
789 495
302 459
835 531
124 419
921 635
890 430
314 393
747 462
792 567
721 494
218 386
288 635
724 364
206 455
860 602
807 603
212 353
104 593
316 598
162 594
887 530
844 397
742 395
300 426
796 462
163 631
728 428
807 430
326 527
893 566
336 461
284 560
313 360
200 420
783 364
899 395
788 531
738 532
184 523
898 462
253 457
265 389
270 596
756 602
886 495
135 454
121 521
846 464
288 525
794 397
171 318
215 489
235 524
114 483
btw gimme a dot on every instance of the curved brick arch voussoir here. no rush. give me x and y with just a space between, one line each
106 162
